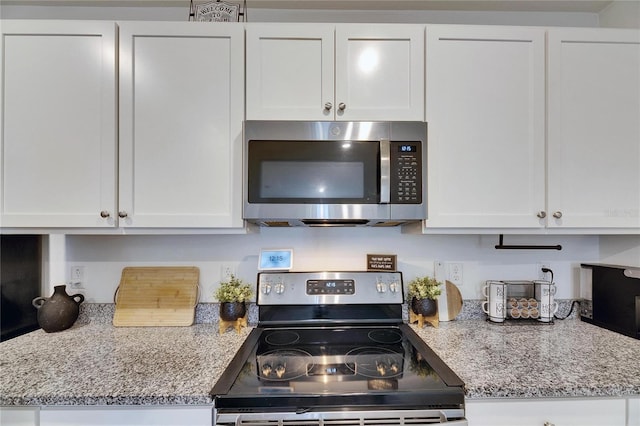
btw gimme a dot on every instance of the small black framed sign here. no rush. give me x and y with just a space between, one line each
381 262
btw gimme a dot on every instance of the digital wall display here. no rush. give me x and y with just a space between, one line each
276 259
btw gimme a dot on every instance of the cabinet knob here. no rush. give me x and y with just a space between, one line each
104 214
542 214
122 214
557 215
328 106
342 106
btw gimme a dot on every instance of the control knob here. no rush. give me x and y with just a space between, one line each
280 370
381 287
266 288
394 287
266 370
279 288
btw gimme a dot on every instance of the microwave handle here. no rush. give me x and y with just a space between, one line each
385 171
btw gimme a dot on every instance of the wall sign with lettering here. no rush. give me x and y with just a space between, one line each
381 262
215 11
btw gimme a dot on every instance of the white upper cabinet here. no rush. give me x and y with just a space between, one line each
181 112
378 69
289 71
594 128
58 145
379 72
485 109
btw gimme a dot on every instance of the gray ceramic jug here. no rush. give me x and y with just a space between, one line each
58 312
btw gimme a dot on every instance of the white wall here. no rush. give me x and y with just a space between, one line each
620 250
621 14
328 249
572 19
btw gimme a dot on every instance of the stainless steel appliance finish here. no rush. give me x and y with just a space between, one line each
325 173
610 297
331 348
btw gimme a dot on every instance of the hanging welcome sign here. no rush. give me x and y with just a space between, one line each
216 12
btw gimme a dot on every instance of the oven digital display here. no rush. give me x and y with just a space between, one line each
322 287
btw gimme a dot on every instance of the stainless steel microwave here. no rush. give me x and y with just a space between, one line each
327 173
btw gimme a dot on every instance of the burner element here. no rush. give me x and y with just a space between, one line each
385 336
282 337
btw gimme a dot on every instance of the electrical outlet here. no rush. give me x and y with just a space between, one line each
543 275
76 281
455 273
226 270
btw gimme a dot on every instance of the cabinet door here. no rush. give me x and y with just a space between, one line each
140 415
594 128
380 72
485 104
290 72
538 412
58 150
181 110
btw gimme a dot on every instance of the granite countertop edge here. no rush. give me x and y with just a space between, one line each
139 368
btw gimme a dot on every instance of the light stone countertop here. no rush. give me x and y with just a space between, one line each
99 364
94 363
568 358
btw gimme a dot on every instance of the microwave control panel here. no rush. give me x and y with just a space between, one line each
406 172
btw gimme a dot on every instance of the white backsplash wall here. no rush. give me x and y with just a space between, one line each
620 250
104 257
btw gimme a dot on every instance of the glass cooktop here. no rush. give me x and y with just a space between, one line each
373 365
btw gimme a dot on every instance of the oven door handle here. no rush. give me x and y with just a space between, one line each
385 171
462 422
443 421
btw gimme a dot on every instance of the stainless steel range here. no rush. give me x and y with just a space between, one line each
331 348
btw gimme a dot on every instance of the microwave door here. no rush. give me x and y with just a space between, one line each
313 172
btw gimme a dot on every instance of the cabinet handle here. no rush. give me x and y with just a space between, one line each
341 106
122 214
557 215
328 106
104 214
542 214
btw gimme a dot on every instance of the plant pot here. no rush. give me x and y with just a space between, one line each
426 307
231 311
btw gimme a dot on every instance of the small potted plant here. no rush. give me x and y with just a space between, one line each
232 295
423 292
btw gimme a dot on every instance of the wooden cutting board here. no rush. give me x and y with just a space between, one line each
454 300
157 296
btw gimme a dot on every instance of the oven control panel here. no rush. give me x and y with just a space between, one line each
327 288
315 287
